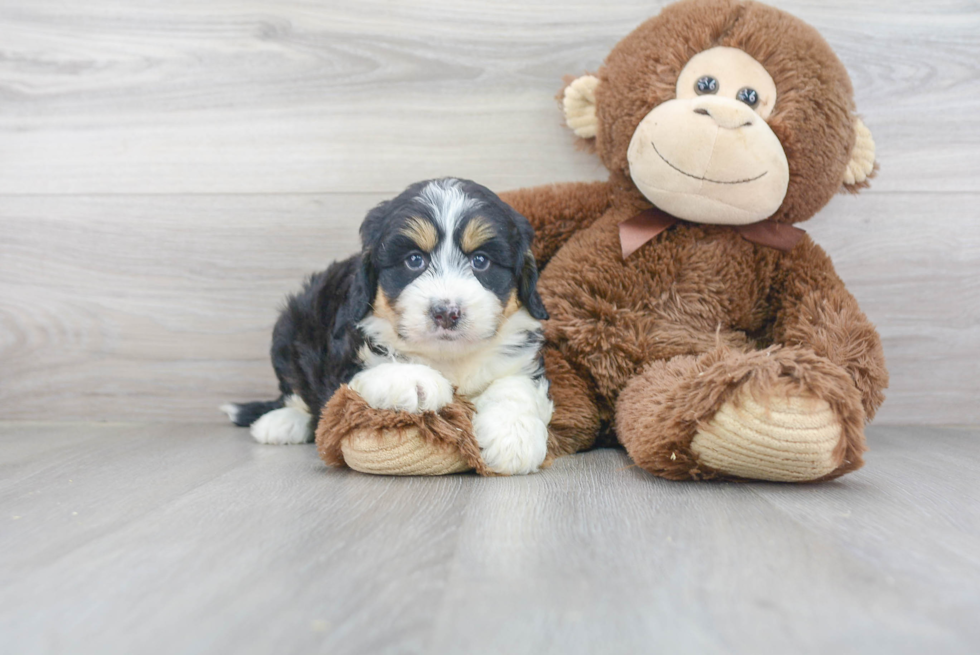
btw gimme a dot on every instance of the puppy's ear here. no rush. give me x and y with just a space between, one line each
371 226
527 288
364 286
360 296
527 284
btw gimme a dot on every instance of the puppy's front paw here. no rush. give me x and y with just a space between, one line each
414 388
509 444
511 425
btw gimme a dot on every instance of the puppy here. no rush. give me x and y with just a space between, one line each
441 297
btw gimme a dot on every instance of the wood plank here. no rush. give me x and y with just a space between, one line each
903 464
68 483
191 538
288 97
927 544
160 308
188 525
635 563
154 306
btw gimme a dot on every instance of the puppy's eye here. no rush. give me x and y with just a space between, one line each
480 262
706 85
416 262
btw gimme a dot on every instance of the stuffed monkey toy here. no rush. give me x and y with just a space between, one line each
690 320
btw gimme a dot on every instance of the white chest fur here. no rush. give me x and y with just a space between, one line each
512 351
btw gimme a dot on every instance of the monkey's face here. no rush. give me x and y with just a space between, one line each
708 155
687 105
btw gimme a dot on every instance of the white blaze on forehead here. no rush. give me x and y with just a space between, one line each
449 204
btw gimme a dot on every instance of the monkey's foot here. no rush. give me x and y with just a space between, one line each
400 452
784 415
783 437
389 442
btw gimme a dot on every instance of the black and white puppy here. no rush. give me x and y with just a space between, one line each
442 296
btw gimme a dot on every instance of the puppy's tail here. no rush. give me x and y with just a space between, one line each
244 414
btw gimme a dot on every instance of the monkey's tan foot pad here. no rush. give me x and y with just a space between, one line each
400 452
385 442
782 438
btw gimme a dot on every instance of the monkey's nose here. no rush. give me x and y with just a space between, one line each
446 315
726 113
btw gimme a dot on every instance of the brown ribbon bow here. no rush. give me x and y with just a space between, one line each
636 231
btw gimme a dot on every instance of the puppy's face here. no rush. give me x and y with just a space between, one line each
450 263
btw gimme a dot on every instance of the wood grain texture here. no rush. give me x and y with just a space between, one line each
157 306
169 171
191 538
276 97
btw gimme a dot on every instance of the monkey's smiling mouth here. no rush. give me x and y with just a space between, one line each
705 179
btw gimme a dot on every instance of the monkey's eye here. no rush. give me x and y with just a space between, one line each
416 262
706 85
748 96
480 262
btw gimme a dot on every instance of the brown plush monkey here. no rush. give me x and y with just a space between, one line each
690 320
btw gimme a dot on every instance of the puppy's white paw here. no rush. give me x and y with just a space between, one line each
283 426
511 425
511 445
414 388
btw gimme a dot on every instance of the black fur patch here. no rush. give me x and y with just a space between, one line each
315 342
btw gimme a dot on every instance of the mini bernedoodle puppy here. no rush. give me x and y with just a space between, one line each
442 296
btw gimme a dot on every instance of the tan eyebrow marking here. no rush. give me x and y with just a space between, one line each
477 232
422 232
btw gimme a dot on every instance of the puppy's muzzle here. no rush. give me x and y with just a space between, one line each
446 315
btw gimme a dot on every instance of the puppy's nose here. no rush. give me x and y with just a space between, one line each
446 315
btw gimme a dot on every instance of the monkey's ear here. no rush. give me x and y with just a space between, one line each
862 165
578 103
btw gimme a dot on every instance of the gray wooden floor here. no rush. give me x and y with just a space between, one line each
142 538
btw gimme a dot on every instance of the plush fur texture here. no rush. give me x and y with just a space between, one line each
348 413
664 337
660 410
646 351
815 104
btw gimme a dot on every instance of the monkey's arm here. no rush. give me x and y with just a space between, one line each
557 211
816 311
